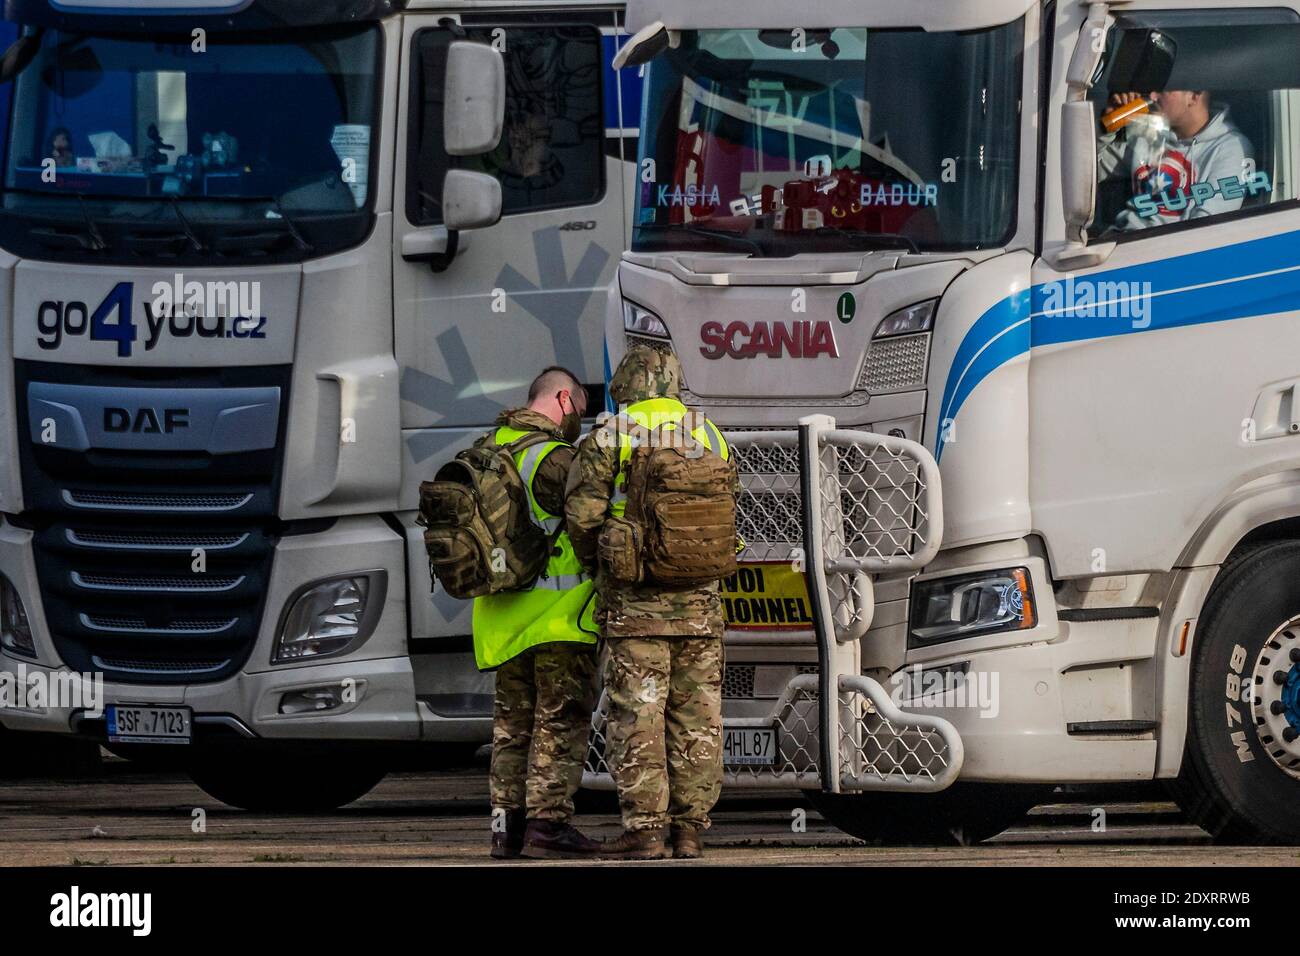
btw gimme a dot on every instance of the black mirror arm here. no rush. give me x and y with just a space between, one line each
439 261
20 54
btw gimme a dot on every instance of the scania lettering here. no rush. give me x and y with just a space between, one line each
256 295
1095 334
773 339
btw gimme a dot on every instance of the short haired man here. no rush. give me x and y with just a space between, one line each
541 644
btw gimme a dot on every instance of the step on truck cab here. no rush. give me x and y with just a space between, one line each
925 220
255 291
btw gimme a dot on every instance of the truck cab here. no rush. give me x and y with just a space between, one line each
261 284
917 218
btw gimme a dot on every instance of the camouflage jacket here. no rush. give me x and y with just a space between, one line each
553 471
632 610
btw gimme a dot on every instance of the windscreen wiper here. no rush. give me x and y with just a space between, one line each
185 225
97 242
303 244
882 240
694 230
281 216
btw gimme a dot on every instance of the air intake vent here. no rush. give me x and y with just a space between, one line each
895 364
738 681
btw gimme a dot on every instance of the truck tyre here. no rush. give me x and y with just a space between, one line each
1240 777
31 754
962 814
295 785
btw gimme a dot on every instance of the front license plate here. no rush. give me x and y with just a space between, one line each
139 724
749 746
766 597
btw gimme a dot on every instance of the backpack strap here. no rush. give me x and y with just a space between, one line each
528 441
523 443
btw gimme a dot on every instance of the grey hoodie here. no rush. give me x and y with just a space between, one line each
1163 169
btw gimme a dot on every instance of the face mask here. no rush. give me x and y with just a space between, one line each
571 424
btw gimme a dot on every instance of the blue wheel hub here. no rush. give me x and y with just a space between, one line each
1273 690
1291 696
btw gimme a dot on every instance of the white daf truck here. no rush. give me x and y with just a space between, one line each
245 314
910 217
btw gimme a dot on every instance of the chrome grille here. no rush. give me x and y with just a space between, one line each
170 582
131 501
153 541
156 666
138 625
153 561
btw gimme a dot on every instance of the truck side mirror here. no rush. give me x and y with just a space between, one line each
1143 61
474 102
646 44
470 200
1078 189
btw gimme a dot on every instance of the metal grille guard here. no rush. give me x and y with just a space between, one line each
865 504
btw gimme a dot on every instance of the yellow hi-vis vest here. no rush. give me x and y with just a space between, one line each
651 414
558 608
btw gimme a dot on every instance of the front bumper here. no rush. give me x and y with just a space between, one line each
246 705
380 706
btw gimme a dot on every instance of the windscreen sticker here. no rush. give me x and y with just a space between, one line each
351 142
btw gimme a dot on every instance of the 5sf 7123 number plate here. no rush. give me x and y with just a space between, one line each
143 724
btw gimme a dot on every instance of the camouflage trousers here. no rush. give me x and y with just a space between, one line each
540 726
664 728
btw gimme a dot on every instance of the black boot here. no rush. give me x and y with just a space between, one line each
507 843
552 839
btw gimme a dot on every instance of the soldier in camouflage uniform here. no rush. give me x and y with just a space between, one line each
542 644
664 671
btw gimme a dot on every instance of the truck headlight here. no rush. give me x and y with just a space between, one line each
971 605
641 321
15 631
331 617
914 318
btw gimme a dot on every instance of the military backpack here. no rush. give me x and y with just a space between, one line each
479 529
679 525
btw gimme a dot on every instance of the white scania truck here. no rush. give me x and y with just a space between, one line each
238 332
909 216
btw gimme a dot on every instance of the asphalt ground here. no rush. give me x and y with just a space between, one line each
124 816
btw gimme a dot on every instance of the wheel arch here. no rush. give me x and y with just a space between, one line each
1260 513
1266 509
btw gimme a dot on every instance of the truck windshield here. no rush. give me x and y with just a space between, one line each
192 130
775 142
